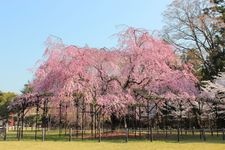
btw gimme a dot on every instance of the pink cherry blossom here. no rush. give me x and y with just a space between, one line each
110 76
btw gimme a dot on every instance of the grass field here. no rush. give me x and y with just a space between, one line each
54 142
90 145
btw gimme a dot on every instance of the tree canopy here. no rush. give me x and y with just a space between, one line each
5 99
112 77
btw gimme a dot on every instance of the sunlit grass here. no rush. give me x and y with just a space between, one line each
87 145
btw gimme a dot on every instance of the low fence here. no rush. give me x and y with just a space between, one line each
150 134
3 133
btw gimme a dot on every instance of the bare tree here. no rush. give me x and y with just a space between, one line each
189 27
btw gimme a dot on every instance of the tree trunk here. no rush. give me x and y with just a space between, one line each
126 129
66 123
36 121
139 121
60 118
92 119
99 127
22 122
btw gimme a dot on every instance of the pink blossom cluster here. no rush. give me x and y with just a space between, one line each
109 77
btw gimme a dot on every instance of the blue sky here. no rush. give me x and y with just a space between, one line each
26 24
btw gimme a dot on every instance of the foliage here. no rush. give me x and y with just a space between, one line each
5 99
26 89
217 10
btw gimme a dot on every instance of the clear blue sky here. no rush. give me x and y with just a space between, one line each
26 24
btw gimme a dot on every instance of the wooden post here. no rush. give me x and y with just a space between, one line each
19 136
148 112
81 127
151 135
126 135
166 118
70 134
36 120
82 120
66 120
211 131
135 123
157 119
180 121
200 133
126 129
178 134
223 134
5 133
95 120
139 120
92 120
22 126
99 127
43 134
85 118
203 132
217 131
128 125
193 131
18 125
45 119
22 121
60 117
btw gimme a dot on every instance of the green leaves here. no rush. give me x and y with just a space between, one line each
5 99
